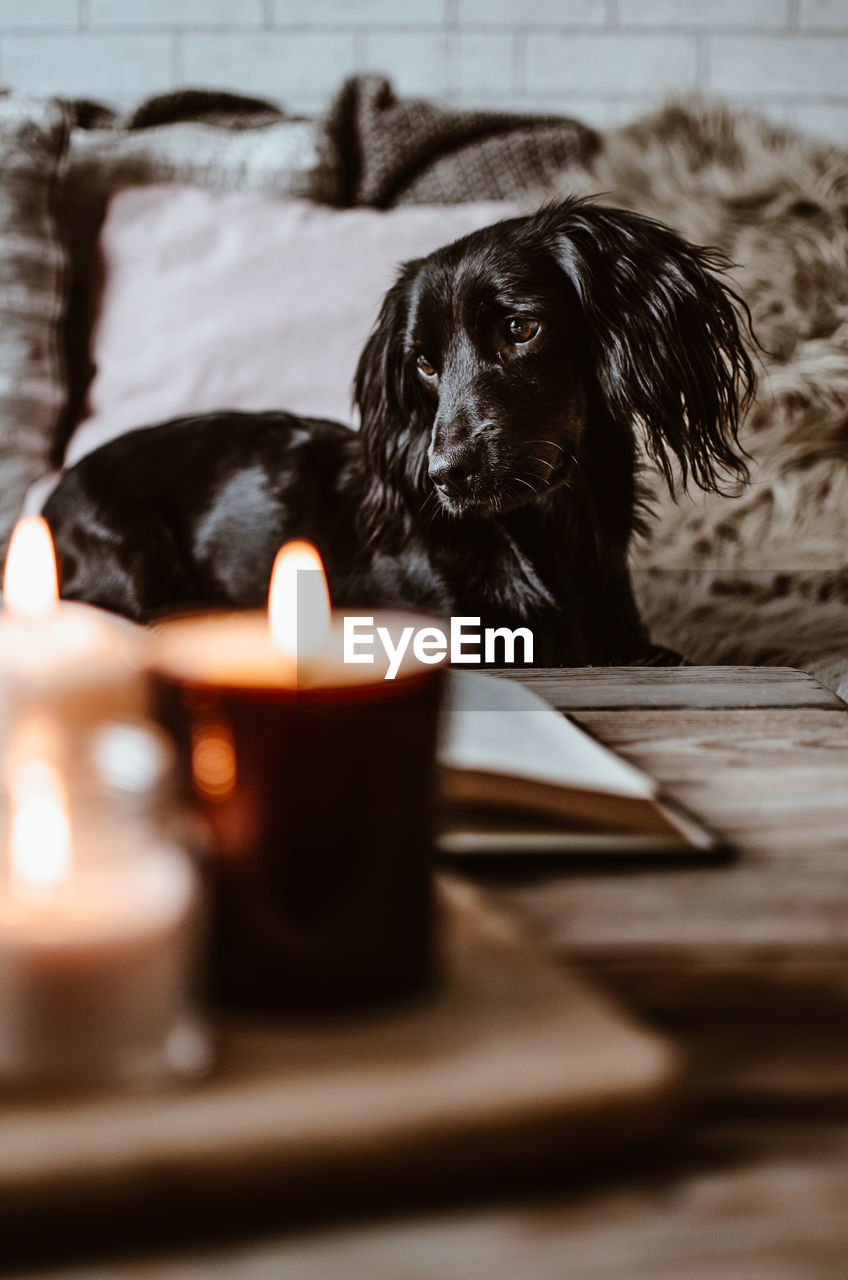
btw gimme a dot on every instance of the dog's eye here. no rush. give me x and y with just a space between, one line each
520 329
424 367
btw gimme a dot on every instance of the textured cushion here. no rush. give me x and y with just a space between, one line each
261 153
33 135
215 300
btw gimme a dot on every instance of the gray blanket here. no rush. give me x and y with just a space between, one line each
391 150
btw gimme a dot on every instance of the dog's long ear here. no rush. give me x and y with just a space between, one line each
664 335
395 425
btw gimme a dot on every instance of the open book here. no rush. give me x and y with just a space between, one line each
516 776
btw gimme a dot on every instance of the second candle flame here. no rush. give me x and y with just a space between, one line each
40 835
299 601
31 581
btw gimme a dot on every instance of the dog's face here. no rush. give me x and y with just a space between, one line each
498 356
497 360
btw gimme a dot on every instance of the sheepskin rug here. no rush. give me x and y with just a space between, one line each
760 576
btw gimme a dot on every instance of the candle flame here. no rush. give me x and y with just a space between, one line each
299 601
41 834
31 581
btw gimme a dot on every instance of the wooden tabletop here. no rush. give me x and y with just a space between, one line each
745 963
761 755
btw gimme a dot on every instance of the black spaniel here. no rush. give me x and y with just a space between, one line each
494 474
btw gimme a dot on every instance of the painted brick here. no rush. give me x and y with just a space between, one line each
592 111
772 108
303 103
485 64
38 13
176 13
417 63
600 111
521 14
360 13
109 66
827 14
771 66
275 64
611 63
705 14
623 110
826 120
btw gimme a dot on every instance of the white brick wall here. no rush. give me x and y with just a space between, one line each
610 63
309 64
600 59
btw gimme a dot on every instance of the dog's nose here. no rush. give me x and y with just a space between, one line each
452 475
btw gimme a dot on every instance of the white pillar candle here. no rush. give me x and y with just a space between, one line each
80 663
95 930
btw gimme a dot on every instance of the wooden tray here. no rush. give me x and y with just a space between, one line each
510 1061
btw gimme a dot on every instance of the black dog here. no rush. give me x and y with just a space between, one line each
494 472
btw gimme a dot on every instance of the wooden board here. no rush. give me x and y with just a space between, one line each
511 1061
670 688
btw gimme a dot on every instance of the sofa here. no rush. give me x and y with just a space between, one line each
208 250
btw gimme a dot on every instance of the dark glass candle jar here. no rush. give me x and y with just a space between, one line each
317 794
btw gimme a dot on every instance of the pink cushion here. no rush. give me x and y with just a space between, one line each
218 300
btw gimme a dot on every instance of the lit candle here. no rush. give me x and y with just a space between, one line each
316 778
296 645
80 663
94 932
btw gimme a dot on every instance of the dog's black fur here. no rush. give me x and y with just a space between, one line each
494 472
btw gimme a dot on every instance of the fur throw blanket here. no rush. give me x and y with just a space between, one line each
760 576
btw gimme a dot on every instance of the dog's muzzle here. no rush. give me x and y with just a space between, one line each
457 470
454 474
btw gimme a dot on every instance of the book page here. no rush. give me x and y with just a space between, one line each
498 726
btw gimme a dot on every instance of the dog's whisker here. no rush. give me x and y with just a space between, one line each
433 518
527 483
552 443
432 497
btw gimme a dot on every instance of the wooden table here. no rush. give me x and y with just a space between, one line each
745 963
736 958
